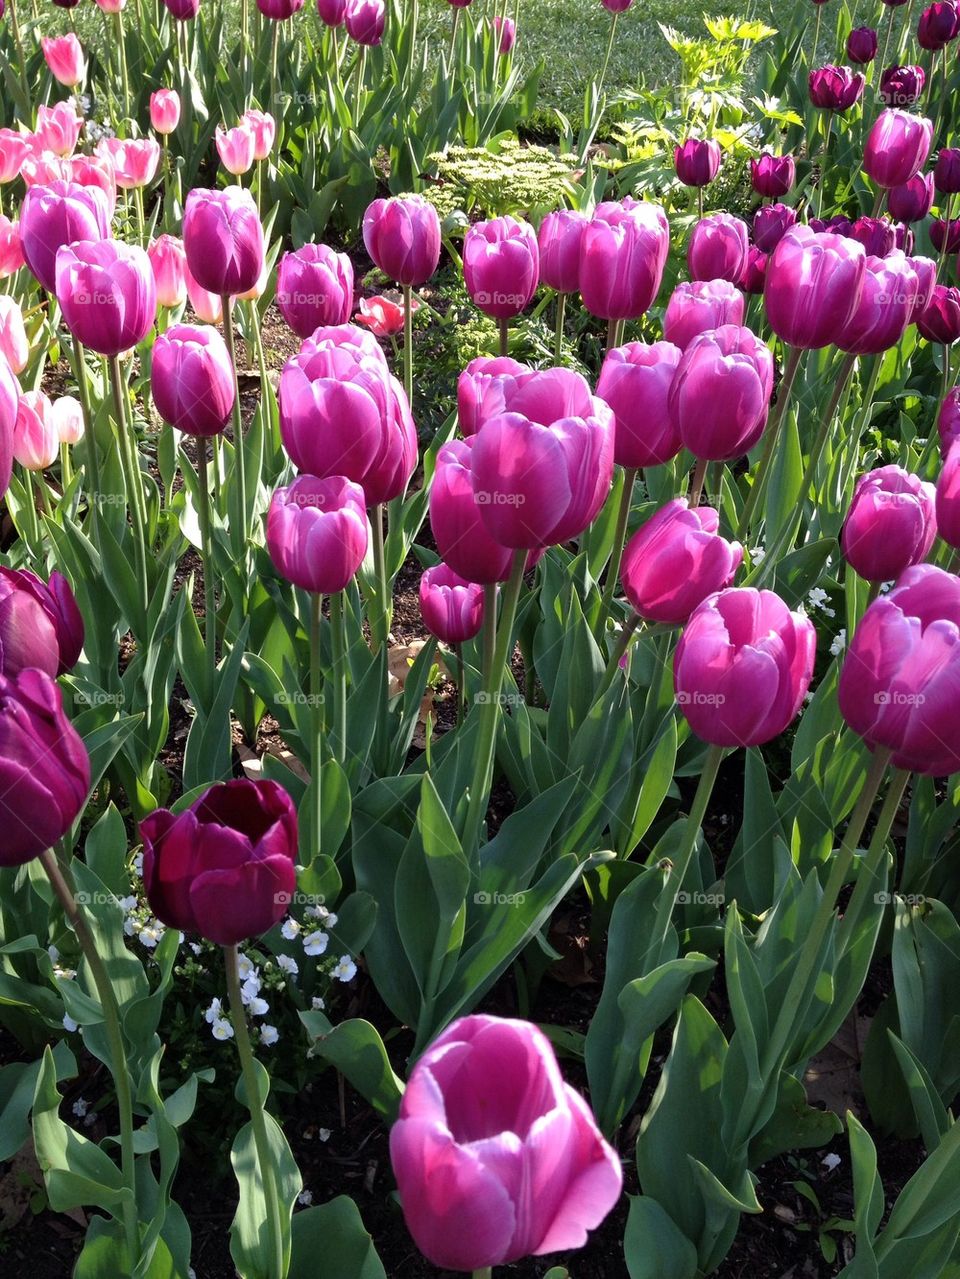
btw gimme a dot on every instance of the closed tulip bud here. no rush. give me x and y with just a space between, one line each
53 216
501 266
182 10
36 444
623 254
64 56
925 269
468 1153
483 388
107 294
67 414
169 263
223 239
755 272
773 175
890 525
862 45
720 396
902 86
451 607
58 128
616 6
697 162
165 110
14 346
938 25
226 866
838 225
135 160
885 306
40 624
365 21
560 239
635 382
835 88
264 128
897 148
945 236
948 421
898 683
948 481
314 288
11 250
44 767
813 285
877 236
279 10
912 201
718 248
459 4
743 666
332 12
317 532
9 411
191 379
946 172
676 560
770 223
402 236
235 148
506 29
695 308
940 319
66 4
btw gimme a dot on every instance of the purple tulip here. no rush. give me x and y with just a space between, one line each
899 680
506 29
940 319
314 288
482 389
191 379
897 148
885 306
676 560
835 88
945 237
773 175
902 86
890 525
317 532
560 239
948 481
695 308
402 236
938 25
279 10
332 12
877 236
616 6
718 248
182 10
365 21
770 223
946 172
862 45
743 666
720 395
226 866
925 269
948 425
813 286
913 200
501 266
452 607
487 1173
697 162
55 215
223 240
754 272
635 382
624 251
40 624
107 294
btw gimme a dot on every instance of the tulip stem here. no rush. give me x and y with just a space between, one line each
486 1272
558 340
696 488
616 552
111 1021
131 474
316 721
773 432
91 455
380 622
606 60
458 657
408 335
239 534
944 249
504 327
206 546
490 706
489 629
268 1176
614 330
339 676
124 77
868 876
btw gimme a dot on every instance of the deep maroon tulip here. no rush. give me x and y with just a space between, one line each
66 4
332 12
314 288
902 86
694 308
560 239
55 215
743 666
813 286
835 88
754 272
720 395
182 10
770 223
501 266
482 389
40 624
912 201
838 225
940 319
897 148
905 240
616 6
451 607
191 379
773 175
945 237
948 481
946 172
402 236
44 767
885 306
901 674
948 420
718 248
623 254
317 532
676 560
877 236
279 10
365 21
697 162
938 25
9 409
890 525
107 293
862 45
223 240
226 866
635 381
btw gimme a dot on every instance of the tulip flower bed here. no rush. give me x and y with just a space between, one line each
479 646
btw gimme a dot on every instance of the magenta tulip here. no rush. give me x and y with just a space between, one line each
452 608
888 298
940 319
948 420
771 222
718 248
332 12
460 534
773 175
635 382
561 239
402 236
901 86
506 29
813 285
55 215
317 532
946 172
182 10
623 254
697 162
107 294
314 288
948 481
501 266
483 388
279 10
365 21
223 240
897 148
695 308
835 88
862 45
40 624
913 200
890 525
9 412
754 275
720 395
191 379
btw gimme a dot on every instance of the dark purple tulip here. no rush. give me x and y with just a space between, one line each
946 172
192 379
332 12
912 201
773 175
838 225
926 272
891 288
876 235
770 222
40 624
697 162
279 10
55 215
905 239
182 10
862 45
44 768
66 4
948 427
223 240
940 319
943 238
755 271
835 88
902 86
938 25
402 236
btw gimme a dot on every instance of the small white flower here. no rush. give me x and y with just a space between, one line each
258 1007
53 953
80 1107
138 864
288 964
830 1162
246 967
69 1023
213 1012
331 919
196 947
839 643
317 1004
757 554
128 903
250 989
290 929
268 1036
345 970
315 943
130 925
323 1134
305 1197
222 1029
150 934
